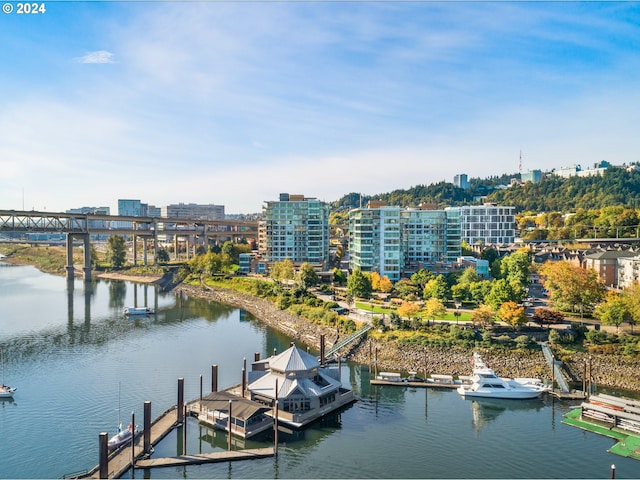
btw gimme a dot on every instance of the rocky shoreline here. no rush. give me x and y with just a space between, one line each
609 371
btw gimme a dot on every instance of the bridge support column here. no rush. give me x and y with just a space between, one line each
144 251
86 269
135 244
69 266
155 246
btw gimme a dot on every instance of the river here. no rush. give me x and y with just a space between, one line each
80 367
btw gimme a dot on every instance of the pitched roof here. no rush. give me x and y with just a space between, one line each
293 360
242 408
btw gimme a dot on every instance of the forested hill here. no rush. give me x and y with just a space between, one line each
617 187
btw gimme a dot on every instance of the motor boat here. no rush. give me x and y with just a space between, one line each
485 383
6 391
122 437
139 311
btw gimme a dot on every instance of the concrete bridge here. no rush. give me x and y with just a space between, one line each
82 226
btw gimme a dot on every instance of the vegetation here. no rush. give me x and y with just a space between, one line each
116 251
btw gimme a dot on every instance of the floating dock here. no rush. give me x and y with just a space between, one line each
213 457
613 417
434 381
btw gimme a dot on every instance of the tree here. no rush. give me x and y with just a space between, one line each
501 291
483 315
307 276
516 268
116 251
572 288
436 288
511 313
434 308
282 270
162 256
480 290
613 311
469 275
385 285
631 296
359 284
544 316
339 277
421 277
408 309
375 281
406 289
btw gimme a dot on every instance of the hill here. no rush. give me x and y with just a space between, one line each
618 186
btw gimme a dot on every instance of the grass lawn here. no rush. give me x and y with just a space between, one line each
380 310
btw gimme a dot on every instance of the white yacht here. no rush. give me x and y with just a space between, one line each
485 383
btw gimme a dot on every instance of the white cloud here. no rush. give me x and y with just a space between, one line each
99 56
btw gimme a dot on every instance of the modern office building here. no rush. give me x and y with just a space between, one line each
533 176
395 241
461 181
487 224
295 227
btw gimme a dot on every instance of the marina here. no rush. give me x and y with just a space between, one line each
74 348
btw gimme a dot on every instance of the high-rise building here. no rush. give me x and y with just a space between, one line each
295 227
461 181
394 241
487 224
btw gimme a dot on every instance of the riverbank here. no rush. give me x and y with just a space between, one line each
610 371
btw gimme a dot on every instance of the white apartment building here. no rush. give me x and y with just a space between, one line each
628 271
394 241
487 224
295 227
193 210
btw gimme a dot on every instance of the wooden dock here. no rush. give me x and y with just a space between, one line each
200 458
415 384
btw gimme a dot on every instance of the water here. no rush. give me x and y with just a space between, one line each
70 350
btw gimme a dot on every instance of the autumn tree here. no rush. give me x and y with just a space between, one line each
572 288
483 315
544 316
511 313
631 296
375 281
386 285
408 309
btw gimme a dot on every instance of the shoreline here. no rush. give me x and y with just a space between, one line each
608 371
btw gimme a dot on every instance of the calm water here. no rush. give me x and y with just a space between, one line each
69 350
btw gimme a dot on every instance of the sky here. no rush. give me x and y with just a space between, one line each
234 102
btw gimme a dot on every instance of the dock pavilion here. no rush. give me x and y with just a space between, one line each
305 389
248 418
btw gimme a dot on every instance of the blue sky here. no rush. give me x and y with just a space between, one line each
232 103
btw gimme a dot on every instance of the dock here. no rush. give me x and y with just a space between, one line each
200 458
613 417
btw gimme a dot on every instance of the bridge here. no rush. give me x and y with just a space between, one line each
85 225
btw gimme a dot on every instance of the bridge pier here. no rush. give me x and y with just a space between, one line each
86 269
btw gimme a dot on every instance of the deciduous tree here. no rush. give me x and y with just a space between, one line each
512 314
116 251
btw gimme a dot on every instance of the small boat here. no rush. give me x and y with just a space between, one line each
390 377
6 391
485 383
122 437
139 311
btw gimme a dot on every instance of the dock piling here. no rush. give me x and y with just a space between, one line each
180 400
104 455
147 428
214 378
133 439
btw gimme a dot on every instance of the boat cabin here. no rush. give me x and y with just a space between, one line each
248 418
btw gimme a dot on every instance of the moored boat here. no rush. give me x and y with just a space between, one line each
485 383
6 391
122 437
139 311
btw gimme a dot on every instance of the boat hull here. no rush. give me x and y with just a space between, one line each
7 392
516 394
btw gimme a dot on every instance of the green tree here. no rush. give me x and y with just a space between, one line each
282 270
162 256
307 276
406 289
613 311
501 291
480 290
434 308
359 284
469 275
421 277
116 251
436 288
631 296
339 277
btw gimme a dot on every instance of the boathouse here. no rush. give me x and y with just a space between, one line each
305 390
247 418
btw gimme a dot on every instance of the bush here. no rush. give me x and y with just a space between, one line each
522 341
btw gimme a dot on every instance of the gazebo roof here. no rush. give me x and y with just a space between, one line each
293 360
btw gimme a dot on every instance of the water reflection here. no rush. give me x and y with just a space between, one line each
486 410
